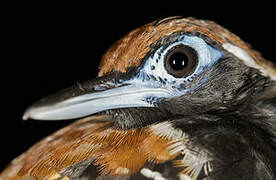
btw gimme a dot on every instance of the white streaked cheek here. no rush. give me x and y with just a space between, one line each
247 60
194 160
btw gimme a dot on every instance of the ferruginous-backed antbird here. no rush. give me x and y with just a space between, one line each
177 98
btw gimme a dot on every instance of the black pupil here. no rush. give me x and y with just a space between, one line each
178 61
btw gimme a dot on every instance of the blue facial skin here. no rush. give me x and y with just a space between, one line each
154 75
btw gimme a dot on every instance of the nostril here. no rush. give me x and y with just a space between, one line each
101 87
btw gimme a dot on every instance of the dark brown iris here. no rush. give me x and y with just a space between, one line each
180 61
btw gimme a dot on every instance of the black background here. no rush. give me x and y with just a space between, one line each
51 46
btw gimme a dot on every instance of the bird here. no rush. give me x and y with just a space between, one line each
178 98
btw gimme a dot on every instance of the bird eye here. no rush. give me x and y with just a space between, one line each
180 61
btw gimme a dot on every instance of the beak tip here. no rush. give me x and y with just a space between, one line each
30 113
33 113
26 115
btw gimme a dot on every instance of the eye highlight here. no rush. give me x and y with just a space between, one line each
181 61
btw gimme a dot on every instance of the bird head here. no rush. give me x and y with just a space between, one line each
182 96
174 68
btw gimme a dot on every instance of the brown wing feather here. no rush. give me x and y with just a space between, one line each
113 151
